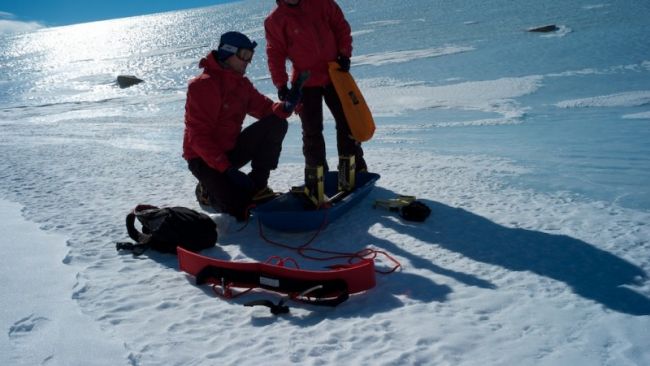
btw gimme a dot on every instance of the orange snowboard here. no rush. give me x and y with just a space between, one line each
355 108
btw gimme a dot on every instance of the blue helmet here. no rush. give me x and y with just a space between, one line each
230 42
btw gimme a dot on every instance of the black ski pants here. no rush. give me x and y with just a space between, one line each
311 116
261 145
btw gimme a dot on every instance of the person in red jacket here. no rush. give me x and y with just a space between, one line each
311 33
214 144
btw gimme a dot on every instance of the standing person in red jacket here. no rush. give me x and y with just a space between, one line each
214 144
311 33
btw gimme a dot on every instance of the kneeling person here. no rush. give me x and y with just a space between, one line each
214 144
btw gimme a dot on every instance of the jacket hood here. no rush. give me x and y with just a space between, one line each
212 66
210 62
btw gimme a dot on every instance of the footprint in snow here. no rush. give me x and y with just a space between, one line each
26 325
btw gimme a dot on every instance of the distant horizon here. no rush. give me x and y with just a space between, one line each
23 16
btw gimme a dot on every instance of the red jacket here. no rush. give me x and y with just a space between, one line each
310 34
218 100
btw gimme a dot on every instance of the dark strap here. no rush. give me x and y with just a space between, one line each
280 308
133 232
247 278
304 297
141 239
325 292
136 249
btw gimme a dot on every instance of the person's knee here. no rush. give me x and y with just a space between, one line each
276 125
278 130
283 126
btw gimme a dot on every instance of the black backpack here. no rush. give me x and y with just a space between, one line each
163 229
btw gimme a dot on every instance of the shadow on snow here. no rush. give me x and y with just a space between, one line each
590 272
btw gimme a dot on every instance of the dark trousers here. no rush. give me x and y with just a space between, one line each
260 144
311 116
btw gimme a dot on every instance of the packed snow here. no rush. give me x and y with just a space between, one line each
530 149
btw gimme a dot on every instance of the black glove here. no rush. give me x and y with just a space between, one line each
283 93
344 63
239 179
292 99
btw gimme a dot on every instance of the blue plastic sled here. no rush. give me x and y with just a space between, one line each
287 212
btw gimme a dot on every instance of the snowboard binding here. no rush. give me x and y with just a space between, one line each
347 173
313 192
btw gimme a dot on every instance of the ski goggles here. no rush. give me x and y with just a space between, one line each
245 54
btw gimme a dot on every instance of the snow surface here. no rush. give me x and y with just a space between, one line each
531 150
43 322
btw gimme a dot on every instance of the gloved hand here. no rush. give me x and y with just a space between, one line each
344 63
292 99
283 93
239 179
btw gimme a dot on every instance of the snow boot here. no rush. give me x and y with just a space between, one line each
264 195
202 195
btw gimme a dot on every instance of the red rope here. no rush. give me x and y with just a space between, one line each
367 253
303 250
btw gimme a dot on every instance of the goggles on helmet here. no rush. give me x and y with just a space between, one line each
243 54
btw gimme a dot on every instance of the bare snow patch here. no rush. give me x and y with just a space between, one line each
383 23
595 6
642 115
626 99
377 59
389 97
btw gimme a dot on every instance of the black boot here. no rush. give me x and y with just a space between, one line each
202 195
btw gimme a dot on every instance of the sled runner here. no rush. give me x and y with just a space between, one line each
354 105
287 212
